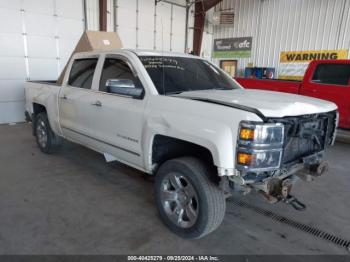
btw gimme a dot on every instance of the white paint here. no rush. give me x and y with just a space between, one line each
271 104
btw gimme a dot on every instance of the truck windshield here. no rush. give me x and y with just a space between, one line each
174 75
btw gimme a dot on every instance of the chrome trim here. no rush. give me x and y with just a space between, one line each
336 124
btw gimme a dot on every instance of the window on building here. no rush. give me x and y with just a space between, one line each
334 74
82 73
115 69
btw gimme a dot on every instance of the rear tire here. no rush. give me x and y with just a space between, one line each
46 139
188 202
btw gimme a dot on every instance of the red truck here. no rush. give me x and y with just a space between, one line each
324 79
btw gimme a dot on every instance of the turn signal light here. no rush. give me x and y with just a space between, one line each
246 134
244 158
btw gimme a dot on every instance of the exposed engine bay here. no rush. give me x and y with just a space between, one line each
304 142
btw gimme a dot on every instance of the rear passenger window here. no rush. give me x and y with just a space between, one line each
115 69
333 74
82 73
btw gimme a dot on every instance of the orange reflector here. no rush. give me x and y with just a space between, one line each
246 134
244 158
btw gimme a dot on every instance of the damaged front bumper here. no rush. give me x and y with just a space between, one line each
277 185
312 166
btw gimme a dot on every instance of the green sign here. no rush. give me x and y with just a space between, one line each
240 47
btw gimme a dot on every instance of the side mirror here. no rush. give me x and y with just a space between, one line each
124 87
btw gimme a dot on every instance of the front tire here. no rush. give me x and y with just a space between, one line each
188 202
46 139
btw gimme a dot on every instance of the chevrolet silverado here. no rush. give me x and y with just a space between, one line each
182 119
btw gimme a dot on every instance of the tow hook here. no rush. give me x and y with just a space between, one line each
287 198
294 202
281 192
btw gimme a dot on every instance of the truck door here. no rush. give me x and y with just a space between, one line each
75 100
331 81
118 119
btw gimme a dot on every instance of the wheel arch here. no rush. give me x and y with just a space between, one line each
37 109
165 147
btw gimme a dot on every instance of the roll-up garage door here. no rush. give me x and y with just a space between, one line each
36 40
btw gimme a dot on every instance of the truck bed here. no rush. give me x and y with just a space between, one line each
285 86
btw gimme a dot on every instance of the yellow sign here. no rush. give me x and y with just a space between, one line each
293 64
307 56
293 78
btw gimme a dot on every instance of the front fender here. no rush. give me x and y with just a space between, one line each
216 137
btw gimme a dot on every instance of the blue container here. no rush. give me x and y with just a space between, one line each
259 72
249 72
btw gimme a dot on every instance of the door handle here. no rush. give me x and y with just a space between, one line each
64 97
97 103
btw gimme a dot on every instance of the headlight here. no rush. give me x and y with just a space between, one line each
261 134
259 146
259 159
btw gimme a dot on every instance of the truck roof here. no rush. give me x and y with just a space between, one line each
143 52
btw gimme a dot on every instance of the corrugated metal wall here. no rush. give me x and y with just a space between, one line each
140 24
287 25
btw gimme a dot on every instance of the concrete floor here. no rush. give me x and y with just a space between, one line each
75 203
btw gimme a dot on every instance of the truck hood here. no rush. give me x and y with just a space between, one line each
269 103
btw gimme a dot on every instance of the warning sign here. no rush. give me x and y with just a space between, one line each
293 64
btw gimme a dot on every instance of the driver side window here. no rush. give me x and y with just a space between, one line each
115 69
332 74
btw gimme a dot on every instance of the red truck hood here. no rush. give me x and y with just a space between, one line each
270 104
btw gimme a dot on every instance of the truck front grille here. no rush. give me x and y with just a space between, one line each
306 135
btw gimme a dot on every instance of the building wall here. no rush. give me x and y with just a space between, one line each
143 25
287 25
36 40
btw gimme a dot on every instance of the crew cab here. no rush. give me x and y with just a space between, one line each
185 121
324 79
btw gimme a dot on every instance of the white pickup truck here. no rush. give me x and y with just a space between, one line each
182 119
